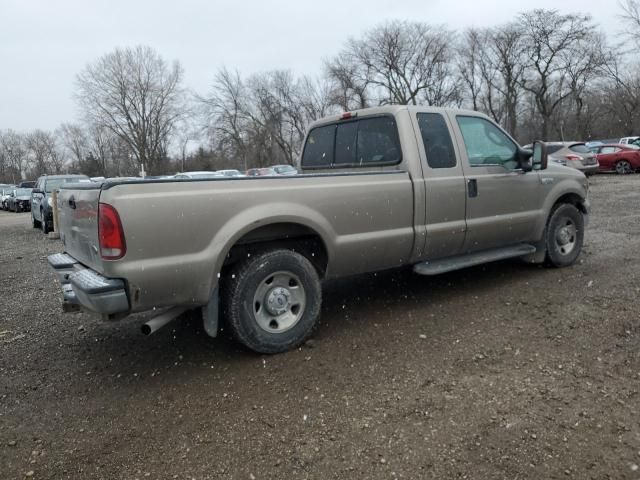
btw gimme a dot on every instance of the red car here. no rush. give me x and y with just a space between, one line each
622 159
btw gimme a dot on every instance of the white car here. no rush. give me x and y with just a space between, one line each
230 173
626 140
200 174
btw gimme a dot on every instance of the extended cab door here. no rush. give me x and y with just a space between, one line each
445 194
503 202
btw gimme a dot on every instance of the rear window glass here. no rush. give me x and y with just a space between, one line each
579 148
553 148
346 136
369 141
318 151
437 142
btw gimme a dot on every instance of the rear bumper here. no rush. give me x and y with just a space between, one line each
83 287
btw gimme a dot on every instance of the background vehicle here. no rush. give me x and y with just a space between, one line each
230 173
201 175
625 140
622 159
285 170
435 189
573 154
5 191
19 200
260 172
27 184
41 202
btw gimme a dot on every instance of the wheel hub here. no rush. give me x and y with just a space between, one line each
278 300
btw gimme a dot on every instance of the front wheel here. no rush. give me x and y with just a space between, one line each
35 223
565 235
272 301
44 223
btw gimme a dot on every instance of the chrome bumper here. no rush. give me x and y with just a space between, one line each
83 287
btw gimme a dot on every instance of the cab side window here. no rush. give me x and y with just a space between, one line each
486 144
437 142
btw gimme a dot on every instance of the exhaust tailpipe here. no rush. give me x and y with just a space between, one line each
161 320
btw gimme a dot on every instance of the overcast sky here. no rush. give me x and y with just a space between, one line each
45 43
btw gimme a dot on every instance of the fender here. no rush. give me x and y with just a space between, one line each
262 215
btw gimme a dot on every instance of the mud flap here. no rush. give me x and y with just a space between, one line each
210 314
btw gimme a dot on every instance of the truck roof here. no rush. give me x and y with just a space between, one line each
390 109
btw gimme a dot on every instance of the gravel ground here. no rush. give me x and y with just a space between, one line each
501 371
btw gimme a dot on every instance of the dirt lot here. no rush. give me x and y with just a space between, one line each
503 371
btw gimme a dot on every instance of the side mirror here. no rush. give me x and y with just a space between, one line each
540 156
524 160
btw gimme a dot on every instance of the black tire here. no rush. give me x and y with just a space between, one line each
623 167
44 224
564 235
249 299
35 223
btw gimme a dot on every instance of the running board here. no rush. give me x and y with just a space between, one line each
463 261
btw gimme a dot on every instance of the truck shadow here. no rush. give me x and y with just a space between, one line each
351 306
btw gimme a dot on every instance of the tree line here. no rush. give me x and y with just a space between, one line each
545 75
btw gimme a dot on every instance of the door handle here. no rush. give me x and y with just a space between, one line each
472 187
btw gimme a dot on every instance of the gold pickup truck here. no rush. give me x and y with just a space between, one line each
380 188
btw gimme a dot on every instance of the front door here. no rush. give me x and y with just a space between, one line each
503 202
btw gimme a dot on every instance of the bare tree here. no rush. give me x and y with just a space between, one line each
13 146
225 114
136 95
74 140
631 16
555 44
43 151
403 62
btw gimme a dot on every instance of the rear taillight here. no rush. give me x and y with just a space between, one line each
573 157
110 233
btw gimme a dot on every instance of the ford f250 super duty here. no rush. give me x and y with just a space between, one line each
435 189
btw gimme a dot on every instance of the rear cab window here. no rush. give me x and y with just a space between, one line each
368 141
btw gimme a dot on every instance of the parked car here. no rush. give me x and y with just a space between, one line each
285 170
195 175
230 173
27 184
626 140
573 154
19 200
434 189
261 172
622 159
5 191
42 202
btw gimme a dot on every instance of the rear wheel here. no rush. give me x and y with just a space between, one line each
272 301
565 235
623 167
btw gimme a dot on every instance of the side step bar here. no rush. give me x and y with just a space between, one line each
463 261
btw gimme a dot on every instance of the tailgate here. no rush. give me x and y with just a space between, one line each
78 223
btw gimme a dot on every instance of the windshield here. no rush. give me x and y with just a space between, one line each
57 183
